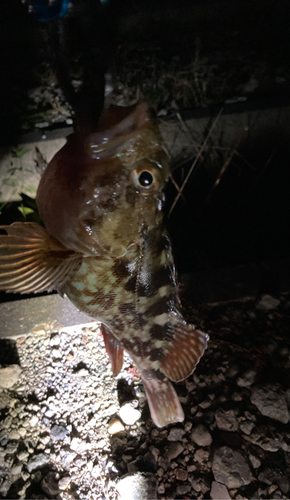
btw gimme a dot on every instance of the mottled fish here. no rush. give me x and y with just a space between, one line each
104 246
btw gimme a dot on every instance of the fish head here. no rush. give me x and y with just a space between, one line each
101 190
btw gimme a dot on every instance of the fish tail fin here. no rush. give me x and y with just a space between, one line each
31 260
163 402
113 348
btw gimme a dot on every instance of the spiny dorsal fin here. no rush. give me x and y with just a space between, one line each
31 260
188 347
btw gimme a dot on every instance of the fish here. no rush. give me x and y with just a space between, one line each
105 246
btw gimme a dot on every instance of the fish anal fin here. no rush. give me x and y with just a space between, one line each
31 260
188 345
113 348
164 404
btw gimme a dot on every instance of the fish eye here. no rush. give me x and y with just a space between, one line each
145 177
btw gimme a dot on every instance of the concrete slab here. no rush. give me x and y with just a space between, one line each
39 314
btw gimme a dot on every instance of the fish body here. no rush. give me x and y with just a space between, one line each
105 247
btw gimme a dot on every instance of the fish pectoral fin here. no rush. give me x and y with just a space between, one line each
113 348
187 347
31 260
164 404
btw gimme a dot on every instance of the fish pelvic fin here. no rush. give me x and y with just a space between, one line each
187 346
31 260
164 404
113 348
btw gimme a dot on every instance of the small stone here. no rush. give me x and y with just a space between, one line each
58 433
135 465
161 489
247 379
115 426
82 373
78 445
201 456
226 420
176 434
201 436
129 414
272 488
33 421
56 354
5 486
21 340
111 410
9 376
173 450
271 402
219 491
255 461
232 371
199 485
247 427
38 461
6 424
14 435
67 458
267 303
96 472
102 443
16 470
138 486
55 340
64 482
183 489
22 455
187 426
11 447
181 474
268 439
230 468
155 452
44 439
149 462
236 396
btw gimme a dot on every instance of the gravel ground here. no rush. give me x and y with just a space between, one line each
68 429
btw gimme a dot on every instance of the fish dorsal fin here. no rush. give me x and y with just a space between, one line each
31 260
187 347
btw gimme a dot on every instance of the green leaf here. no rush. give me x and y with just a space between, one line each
10 182
18 153
25 210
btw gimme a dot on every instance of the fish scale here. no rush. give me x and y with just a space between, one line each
105 246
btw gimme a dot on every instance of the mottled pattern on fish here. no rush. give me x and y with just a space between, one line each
137 298
105 246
